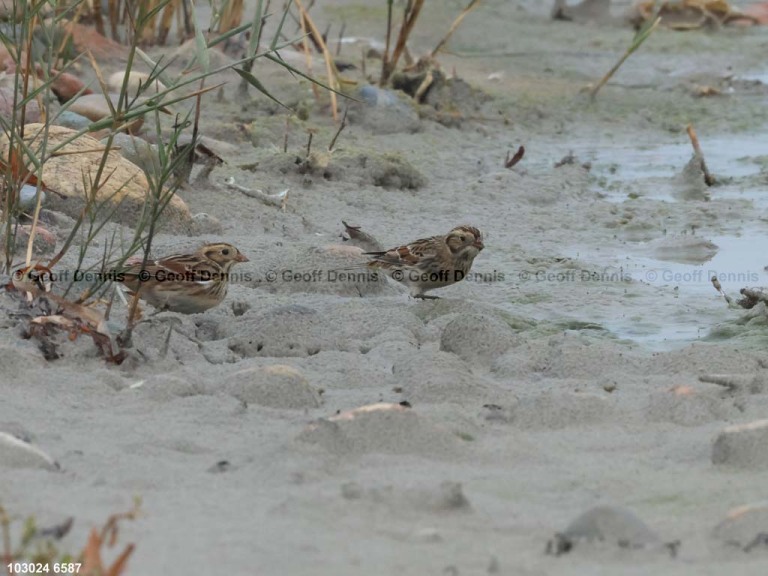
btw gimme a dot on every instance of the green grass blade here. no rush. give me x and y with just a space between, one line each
253 45
280 26
253 81
201 46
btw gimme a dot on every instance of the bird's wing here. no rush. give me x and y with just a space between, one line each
408 255
189 265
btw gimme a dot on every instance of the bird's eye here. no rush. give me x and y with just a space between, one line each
225 251
463 238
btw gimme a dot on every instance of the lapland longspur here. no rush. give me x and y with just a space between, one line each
186 283
431 263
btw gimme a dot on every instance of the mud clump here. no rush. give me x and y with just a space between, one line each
387 170
447 100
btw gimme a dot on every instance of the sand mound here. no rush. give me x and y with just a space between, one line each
689 406
477 338
274 386
553 410
295 330
447 497
15 453
434 376
743 445
744 527
387 428
605 524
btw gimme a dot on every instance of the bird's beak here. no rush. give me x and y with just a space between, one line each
478 244
241 258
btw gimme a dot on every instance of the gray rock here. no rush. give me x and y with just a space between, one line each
28 197
384 111
96 107
70 119
138 83
138 151
32 113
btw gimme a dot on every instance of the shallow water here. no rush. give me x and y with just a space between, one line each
727 156
625 168
756 76
739 262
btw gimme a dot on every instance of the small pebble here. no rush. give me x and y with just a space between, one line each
28 197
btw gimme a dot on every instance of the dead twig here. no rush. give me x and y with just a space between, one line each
330 67
280 199
511 161
389 62
341 37
719 288
341 127
709 180
311 133
728 381
471 6
285 138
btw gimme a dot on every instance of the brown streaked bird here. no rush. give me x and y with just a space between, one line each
431 263
185 283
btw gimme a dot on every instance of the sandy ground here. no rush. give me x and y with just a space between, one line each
566 377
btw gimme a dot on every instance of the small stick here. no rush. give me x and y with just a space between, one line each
510 162
108 308
280 199
325 36
385 57
285 138
719 288
341 37
709 180
731 382
471 6
305 39
409 20
330 67
309 141
341 127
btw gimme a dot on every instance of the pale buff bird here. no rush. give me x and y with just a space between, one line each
186 283
431 263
